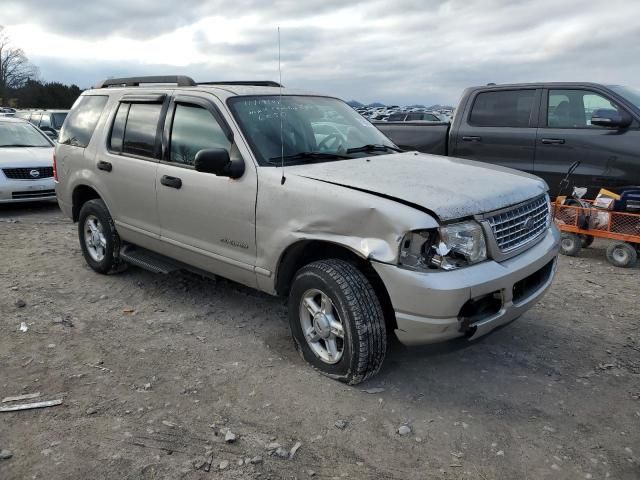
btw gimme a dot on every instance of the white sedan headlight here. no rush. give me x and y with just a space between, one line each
449 247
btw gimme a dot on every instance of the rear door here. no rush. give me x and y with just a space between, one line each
499 127
126 168
608 156
207 221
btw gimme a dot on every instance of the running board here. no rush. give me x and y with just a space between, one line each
148 260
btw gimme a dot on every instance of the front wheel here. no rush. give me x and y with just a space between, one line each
337 321
99 240
570 244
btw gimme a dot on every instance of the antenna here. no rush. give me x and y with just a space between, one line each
283 179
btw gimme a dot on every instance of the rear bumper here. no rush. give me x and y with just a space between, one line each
429 306
16 191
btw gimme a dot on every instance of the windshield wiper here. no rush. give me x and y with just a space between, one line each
374 148
312 155
17 145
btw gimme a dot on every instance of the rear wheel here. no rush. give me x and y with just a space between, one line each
622 254
99 240
337 321
570 244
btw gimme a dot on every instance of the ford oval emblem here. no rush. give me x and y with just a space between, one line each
34 173
528 224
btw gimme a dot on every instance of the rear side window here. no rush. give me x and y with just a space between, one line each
141 129
82 120
117 130
506 108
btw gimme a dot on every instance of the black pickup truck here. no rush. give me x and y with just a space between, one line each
540 128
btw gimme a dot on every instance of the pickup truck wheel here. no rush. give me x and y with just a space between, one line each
337 321
570 244
98 237
622 254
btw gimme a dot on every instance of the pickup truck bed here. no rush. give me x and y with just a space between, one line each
428 137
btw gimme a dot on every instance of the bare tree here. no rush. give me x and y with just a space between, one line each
15 68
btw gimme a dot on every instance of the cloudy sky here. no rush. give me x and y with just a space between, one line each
394 51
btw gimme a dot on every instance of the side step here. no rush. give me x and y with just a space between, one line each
154 262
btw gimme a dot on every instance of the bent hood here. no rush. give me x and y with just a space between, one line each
24 157
452 188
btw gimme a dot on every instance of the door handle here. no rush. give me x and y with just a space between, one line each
553 141
172 182
471 138
106 166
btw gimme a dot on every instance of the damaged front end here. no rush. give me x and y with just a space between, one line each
448 247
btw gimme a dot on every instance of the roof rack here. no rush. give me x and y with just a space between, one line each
180 80
256 83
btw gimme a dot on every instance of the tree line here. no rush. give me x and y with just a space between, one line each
20 86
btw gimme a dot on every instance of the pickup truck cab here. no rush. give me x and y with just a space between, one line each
297 195
541 128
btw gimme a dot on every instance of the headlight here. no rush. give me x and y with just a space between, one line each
449 247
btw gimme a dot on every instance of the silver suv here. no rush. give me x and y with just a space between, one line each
297 195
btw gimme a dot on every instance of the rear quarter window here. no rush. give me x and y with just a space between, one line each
82 120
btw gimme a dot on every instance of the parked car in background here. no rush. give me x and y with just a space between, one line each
413 117
295 194
7 112
26 162
541 128
49 121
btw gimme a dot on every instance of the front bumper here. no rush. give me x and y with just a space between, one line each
15 191
429 305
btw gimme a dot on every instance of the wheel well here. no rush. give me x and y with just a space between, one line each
304 252
81 195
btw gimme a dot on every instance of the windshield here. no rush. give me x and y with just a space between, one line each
631 94
18 134
58 119
321 125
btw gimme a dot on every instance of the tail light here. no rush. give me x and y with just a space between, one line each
55 168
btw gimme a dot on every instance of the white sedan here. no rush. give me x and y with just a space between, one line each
26 162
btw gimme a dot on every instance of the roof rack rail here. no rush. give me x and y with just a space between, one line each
180 80
257 83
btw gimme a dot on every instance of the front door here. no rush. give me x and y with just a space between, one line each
566 135
206 221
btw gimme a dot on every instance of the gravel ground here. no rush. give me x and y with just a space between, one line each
154 371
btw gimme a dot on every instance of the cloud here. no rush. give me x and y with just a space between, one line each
406 51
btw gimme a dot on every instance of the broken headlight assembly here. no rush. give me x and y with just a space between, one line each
449 247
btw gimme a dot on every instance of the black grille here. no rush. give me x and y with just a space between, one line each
33 194
25 173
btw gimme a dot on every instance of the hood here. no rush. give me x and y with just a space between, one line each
17 157
451 188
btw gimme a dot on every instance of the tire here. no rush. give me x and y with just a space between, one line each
570 244
102 259
622 255
586 240
337 291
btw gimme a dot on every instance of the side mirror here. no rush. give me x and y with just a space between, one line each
608 117
217 161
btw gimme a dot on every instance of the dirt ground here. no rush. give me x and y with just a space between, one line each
155 370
